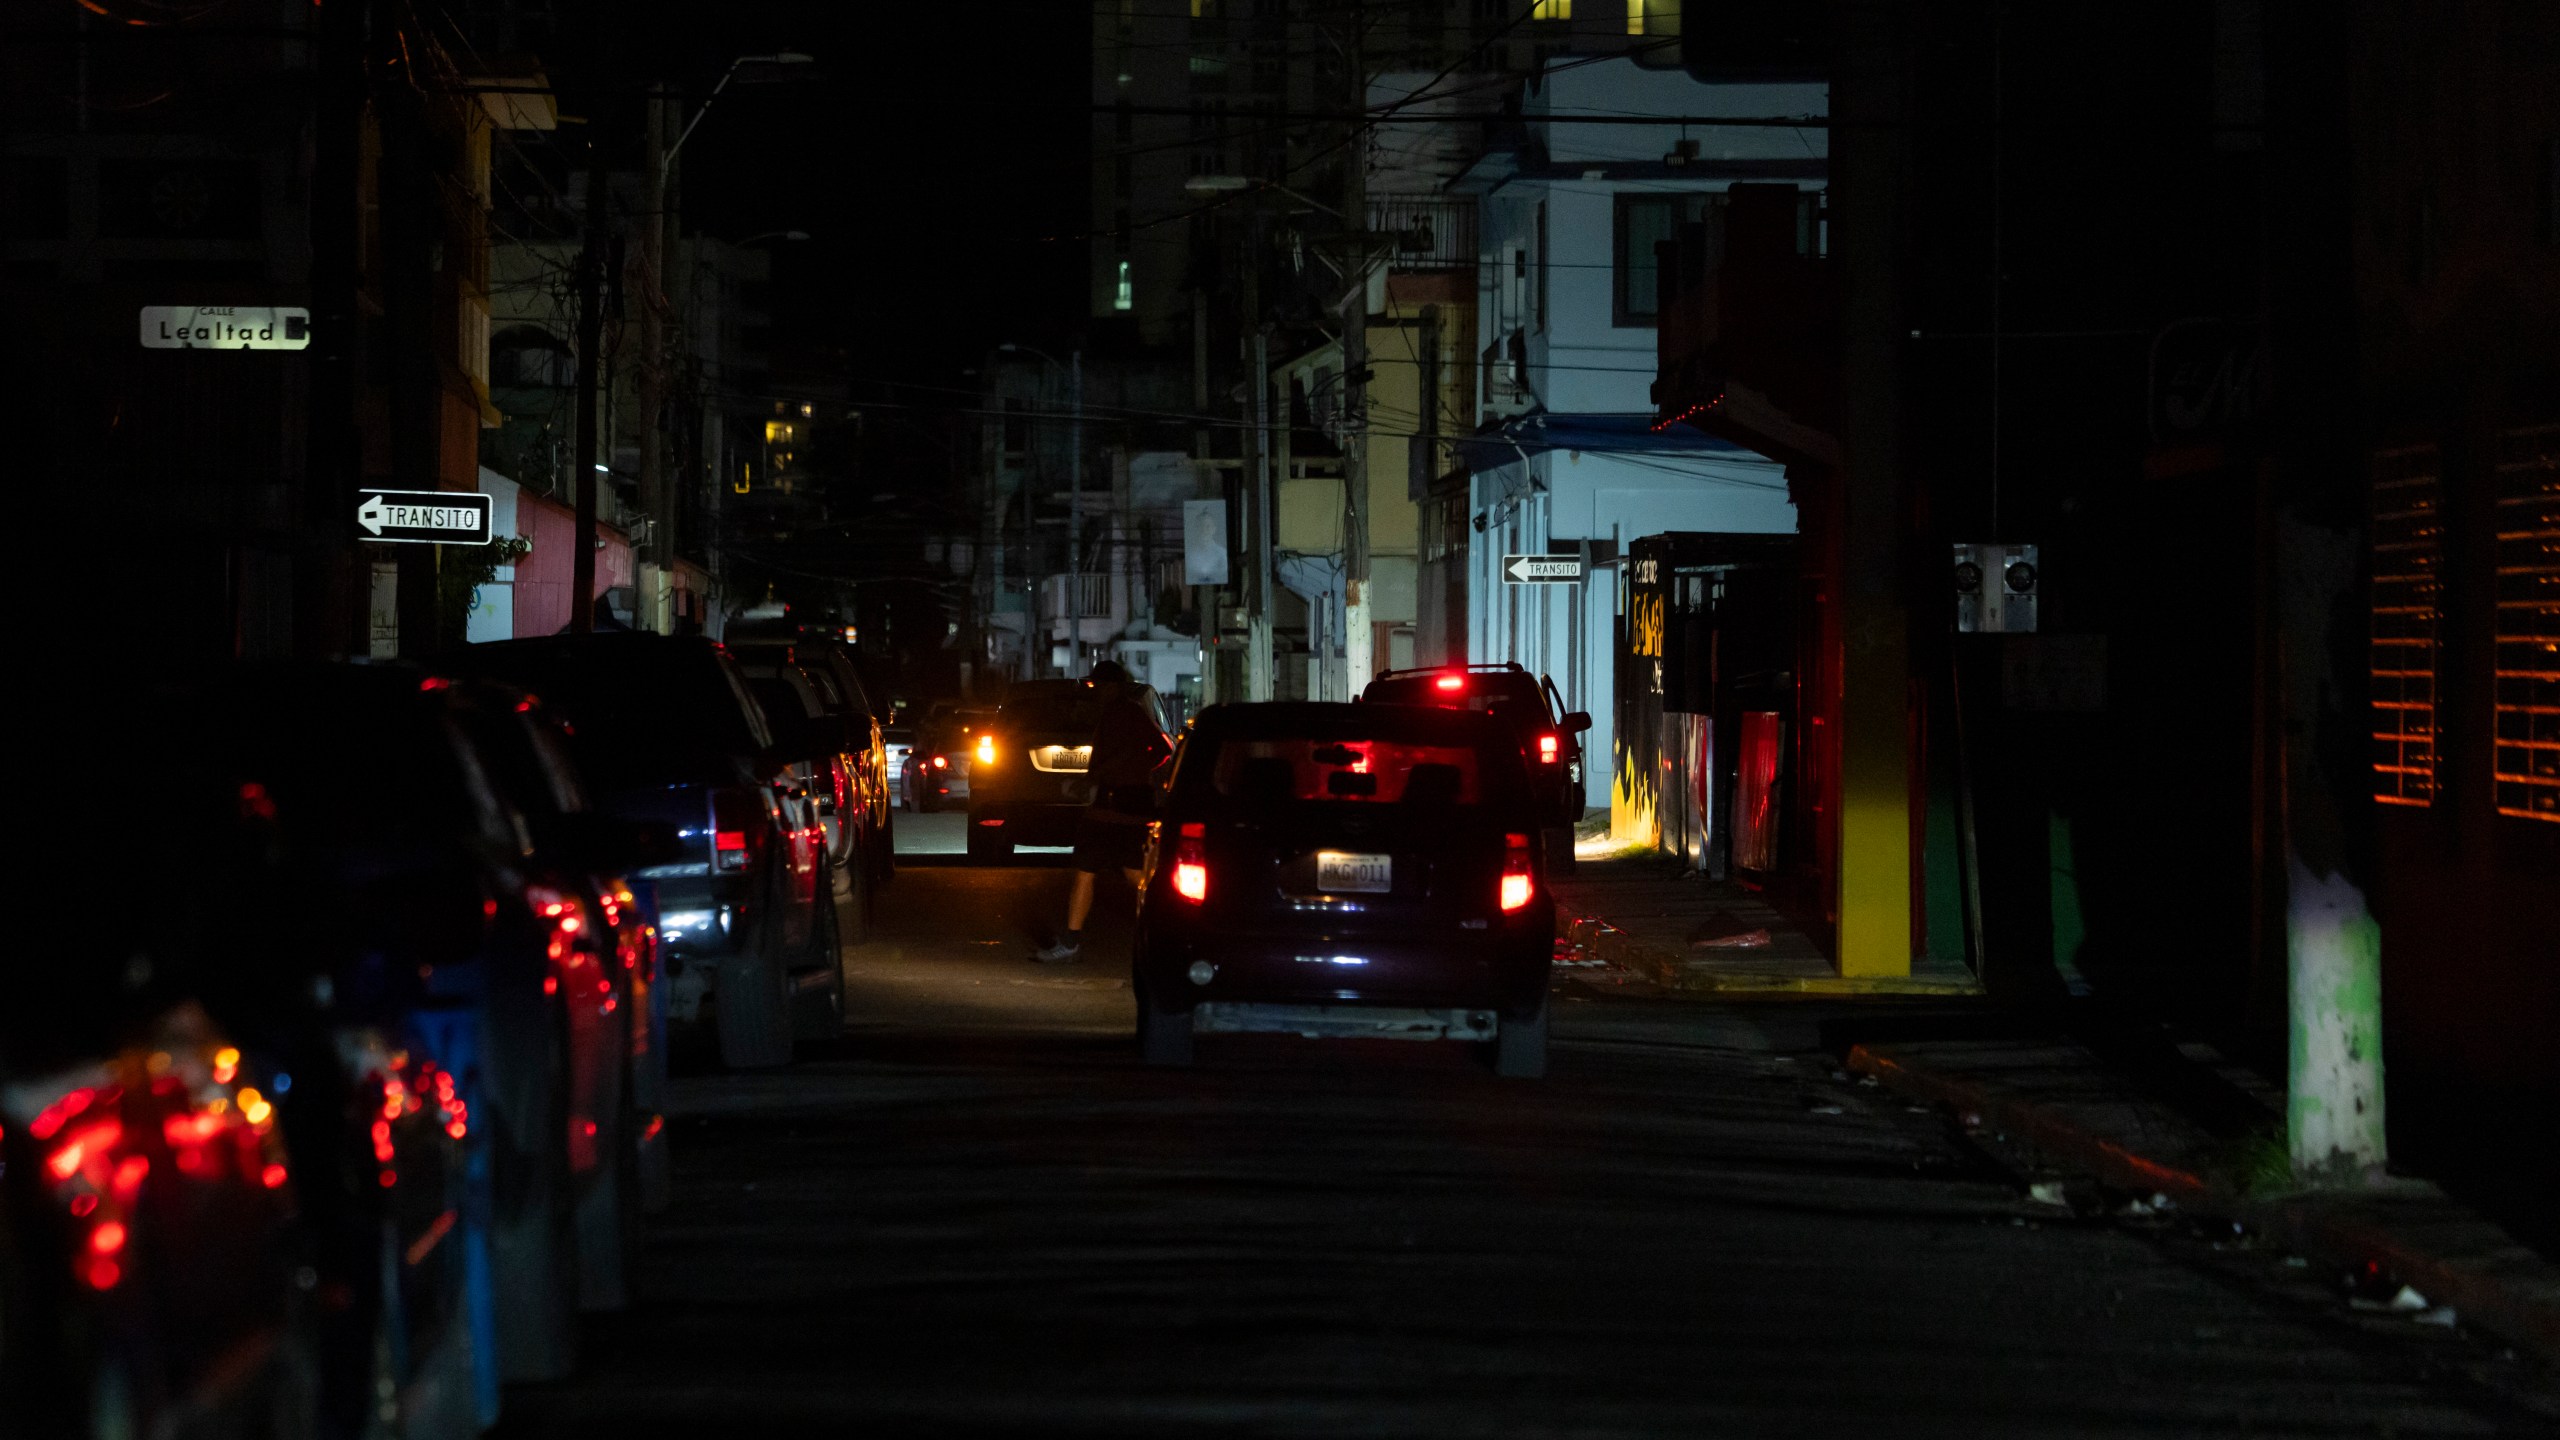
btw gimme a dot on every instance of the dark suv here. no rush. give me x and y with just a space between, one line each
1549 735
1027 767
664 730
1346 870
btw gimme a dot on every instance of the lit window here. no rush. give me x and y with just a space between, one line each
808 409
1635 17
2408 588
1121 298
777 432
2525 760
1542 9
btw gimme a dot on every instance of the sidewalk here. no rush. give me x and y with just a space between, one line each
2164 1124
2208 1152
1636 912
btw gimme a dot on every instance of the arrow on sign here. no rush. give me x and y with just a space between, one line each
369 514
1542 569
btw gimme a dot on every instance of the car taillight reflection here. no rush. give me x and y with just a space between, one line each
1516 883
96 1142
1191 863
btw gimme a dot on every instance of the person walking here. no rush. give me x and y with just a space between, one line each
1112 832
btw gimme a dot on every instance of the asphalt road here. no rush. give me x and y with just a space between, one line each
978 1214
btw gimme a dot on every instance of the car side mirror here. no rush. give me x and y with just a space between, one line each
1577 721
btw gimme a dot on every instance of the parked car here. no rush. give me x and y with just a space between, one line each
895 741
662 729
1357 870
821 784
822 652
1549 735
939 776
148 1226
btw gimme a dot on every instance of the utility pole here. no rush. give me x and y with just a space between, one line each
1075 515
1357 632
657 556
1254 487
333 461
582 560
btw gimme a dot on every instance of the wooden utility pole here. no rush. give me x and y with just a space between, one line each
652 576
591 258
1357 631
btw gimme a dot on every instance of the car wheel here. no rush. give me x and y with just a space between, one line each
1165 1037
1520 1046
751 1006
1559 842
853 910
818 1011
988 844
608 1208
534 1237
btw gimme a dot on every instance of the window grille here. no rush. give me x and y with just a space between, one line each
2408 586
2525 757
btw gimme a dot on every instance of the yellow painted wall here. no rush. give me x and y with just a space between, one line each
1311 515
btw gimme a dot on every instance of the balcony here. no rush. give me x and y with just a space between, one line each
1751 318
1431 232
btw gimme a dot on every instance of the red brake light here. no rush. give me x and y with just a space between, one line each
1191 863
732 815
1449 684
1546 749
1517 885
941 762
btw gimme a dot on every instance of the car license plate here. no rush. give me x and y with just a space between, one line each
1338 870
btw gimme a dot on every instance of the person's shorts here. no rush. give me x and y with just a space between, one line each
1109 844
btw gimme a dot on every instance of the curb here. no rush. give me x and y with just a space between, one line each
1671 970
2477 1278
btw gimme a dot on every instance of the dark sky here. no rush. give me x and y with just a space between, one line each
935 153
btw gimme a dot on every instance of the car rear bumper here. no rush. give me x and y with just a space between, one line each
1503 970
1029 824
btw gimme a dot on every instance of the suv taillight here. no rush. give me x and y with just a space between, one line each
1547 748
733 820
1191 863
1517 885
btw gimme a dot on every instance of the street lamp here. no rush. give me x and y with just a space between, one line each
1075 502
1205 185
787 57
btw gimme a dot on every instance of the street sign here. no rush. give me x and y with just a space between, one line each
225 327
1204 542
424 517
1542 569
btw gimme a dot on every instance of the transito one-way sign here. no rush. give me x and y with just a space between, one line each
424 517
1542 569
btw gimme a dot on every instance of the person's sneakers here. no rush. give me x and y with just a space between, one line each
1067 948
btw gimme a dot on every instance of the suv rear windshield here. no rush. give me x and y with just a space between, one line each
1068 706
636 713
1512 695
1355 755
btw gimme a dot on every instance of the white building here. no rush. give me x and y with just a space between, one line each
1565 458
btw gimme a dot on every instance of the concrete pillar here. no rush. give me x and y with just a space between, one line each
1869 148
